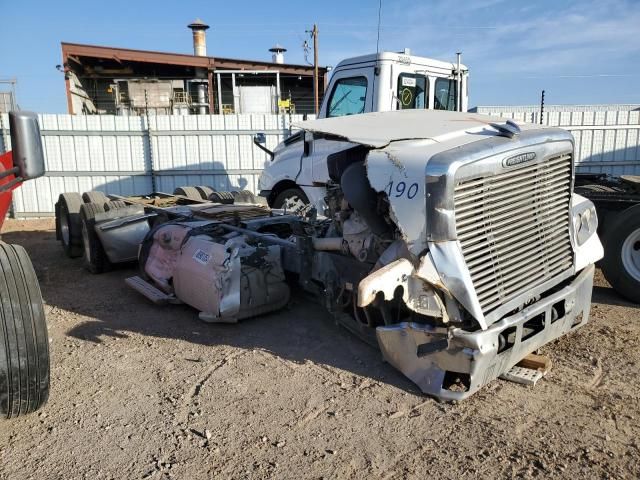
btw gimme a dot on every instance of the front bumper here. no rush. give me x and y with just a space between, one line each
431 356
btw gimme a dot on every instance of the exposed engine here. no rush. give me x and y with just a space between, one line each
359 238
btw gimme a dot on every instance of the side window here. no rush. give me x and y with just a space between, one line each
348 97
412 90
445 95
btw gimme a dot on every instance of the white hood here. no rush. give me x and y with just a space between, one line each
379 129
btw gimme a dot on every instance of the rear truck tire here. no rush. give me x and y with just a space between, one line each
226 198
204 191
24 342
94 197
189 192
292 198
68 226
621 262
95 258
114 205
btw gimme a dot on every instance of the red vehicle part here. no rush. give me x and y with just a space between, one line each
6 163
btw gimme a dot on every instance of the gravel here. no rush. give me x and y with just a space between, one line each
140 391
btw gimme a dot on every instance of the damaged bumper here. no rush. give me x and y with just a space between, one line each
432 357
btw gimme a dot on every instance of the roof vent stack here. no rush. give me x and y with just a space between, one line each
198 27
278 53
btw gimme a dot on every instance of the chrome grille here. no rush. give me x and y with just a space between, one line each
514 229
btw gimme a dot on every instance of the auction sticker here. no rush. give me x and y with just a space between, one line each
201 257
408 82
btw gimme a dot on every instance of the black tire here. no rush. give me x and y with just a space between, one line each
94 256
222 197
114 204
622 239
189 192
289 193
68 226
24 342
204 191
94 197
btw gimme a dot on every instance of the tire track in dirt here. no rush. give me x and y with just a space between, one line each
182 412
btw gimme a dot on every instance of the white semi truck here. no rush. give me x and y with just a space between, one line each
371 83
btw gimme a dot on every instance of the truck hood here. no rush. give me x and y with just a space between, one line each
379 129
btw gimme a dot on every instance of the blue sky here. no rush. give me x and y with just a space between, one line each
578 51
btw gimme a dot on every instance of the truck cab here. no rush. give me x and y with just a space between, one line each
377 82
394 81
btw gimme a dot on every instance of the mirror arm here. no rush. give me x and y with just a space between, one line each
9 185
264 149
11 171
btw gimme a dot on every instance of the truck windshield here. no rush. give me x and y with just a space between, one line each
445 95
411 91
348 97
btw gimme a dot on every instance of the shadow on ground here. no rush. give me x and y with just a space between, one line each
302 332
609 296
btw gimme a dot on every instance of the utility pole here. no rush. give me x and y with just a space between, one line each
314 35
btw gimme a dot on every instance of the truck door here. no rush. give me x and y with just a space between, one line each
316 161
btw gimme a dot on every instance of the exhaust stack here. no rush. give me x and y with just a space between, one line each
198 27
278 53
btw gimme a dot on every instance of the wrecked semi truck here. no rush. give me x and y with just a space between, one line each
24 340
452 241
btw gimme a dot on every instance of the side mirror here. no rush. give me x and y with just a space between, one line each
26 144
259 139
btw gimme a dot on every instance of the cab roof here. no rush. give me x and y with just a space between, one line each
398 57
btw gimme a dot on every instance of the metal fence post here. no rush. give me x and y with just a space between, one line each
150 168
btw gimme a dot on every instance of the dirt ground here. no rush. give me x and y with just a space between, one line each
140 391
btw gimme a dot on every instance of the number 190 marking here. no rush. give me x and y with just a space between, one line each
400 189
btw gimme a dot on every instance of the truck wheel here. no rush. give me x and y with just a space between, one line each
189 192
222 197
24 342
621 263
68 226
292 199
94 197
95 258
204 191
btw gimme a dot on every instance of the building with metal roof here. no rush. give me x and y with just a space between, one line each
123 81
